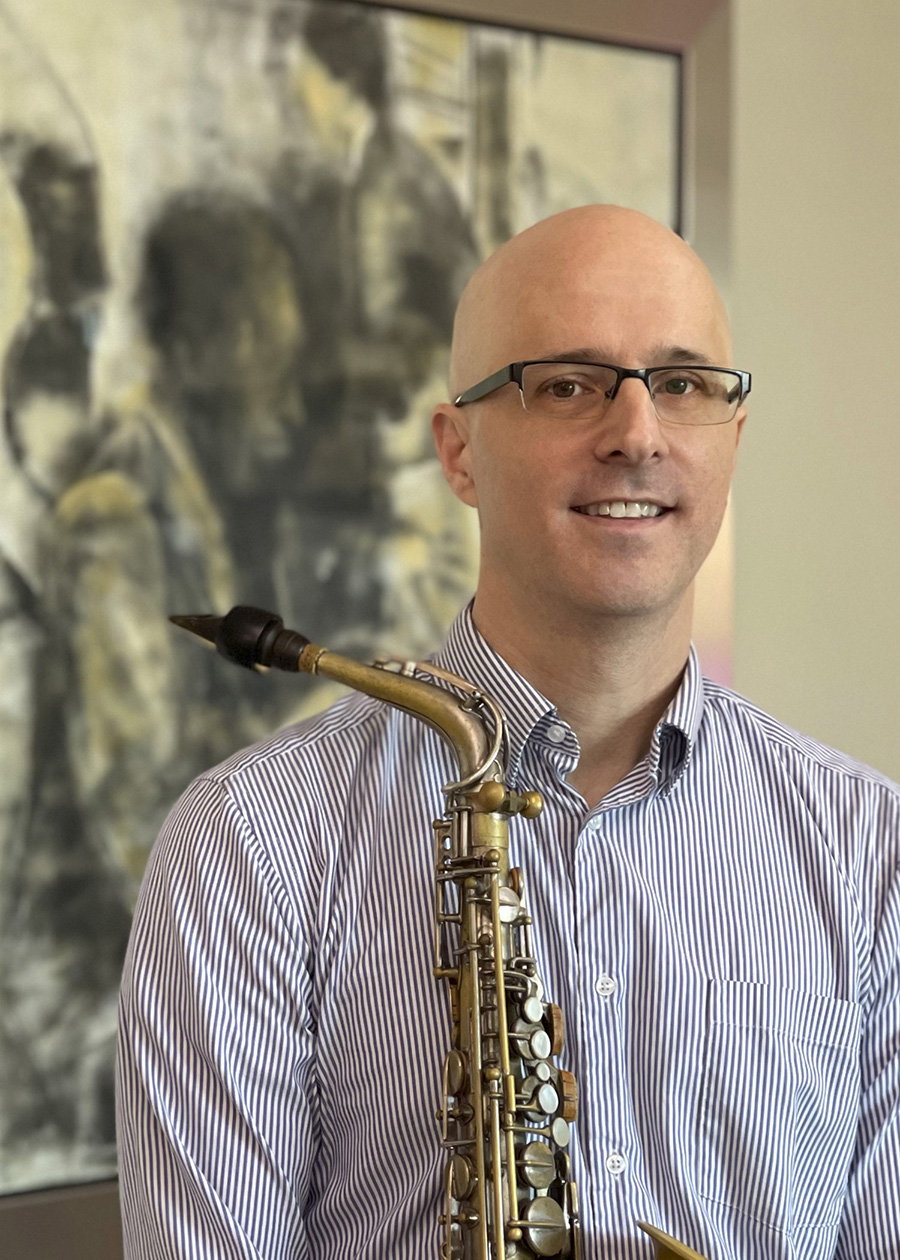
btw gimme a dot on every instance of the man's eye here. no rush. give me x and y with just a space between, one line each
678 385
564 388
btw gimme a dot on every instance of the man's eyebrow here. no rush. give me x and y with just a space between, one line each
659 356
679 354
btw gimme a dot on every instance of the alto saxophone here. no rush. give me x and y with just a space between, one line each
507 1107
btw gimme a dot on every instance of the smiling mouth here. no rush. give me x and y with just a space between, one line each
621 509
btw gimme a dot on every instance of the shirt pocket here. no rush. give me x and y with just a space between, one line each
779 1100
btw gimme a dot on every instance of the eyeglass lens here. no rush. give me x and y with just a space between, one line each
682 395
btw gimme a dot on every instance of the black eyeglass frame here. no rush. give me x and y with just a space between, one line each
512 374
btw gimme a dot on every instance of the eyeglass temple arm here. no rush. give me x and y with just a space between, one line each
743 388
488 385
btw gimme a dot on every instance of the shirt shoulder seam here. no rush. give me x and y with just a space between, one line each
319 729
784 737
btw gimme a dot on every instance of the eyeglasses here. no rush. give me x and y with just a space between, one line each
681 394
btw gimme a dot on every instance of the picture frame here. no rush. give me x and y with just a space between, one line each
121 340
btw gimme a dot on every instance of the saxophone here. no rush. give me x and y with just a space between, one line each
507 1106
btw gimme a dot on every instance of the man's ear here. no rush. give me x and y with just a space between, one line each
450 426
740 417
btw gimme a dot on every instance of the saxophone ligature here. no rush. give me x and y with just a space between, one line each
507 1106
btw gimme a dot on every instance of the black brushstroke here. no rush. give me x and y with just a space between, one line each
351 43
495 156
220 300
60 198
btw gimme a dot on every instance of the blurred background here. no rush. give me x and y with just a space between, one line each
178 431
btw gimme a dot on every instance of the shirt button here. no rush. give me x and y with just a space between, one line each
606 986
557 734
616 1163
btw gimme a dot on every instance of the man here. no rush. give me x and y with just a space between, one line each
716 899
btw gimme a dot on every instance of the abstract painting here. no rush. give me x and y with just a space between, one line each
232 234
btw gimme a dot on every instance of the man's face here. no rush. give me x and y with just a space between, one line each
532 479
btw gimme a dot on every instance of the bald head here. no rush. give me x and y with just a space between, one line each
595 271
599 285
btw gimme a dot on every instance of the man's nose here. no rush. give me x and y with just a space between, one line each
629 428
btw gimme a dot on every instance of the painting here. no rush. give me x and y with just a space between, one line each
232 235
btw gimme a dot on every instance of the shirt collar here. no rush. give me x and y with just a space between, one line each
466 653
672 746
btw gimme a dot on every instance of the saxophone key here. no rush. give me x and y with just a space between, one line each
533 1010
463 1177
531 1042
553 1017
569 1095
510 906
537 1165
538 1100
559 1131
455 1073
546 1227
539 1045
547 1100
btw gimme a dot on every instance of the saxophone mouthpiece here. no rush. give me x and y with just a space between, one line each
205 626
248 636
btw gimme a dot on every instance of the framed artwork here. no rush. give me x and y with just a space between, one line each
232 235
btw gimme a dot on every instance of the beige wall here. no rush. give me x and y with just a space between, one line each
816 273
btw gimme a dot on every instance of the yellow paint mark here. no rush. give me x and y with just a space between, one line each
97 499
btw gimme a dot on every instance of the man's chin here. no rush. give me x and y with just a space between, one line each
627 603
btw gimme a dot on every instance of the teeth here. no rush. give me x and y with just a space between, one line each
620 507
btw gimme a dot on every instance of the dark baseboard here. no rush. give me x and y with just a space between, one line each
71 1223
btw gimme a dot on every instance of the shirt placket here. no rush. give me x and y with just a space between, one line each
603 901
545 848
587 961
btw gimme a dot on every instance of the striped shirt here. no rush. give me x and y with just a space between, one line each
722 932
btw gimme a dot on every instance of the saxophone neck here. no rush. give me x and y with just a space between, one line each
470 723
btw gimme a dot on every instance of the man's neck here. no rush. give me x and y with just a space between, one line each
610 678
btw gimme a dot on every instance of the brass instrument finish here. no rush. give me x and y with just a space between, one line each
507 1106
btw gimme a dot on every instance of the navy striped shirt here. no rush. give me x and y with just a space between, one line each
722 932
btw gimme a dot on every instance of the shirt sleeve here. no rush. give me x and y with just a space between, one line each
870 1225
215 1075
